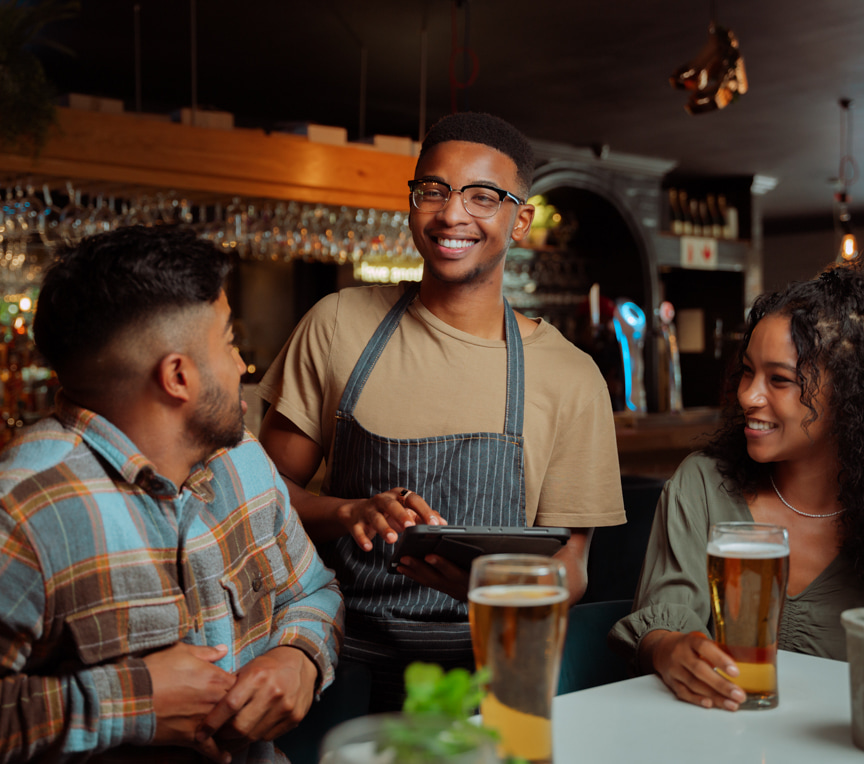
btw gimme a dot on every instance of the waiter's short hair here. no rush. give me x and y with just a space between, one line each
489 130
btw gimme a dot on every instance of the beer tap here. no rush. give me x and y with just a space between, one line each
629 322
666 314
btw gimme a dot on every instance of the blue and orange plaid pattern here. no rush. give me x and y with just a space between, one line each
103 560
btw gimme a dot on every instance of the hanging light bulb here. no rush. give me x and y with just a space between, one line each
848 242
848 249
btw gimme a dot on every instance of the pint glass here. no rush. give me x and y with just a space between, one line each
517 606
748 568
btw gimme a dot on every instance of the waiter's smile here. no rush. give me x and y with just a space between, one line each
453 245
458 247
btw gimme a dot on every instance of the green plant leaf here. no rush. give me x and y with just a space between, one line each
26 97
435 723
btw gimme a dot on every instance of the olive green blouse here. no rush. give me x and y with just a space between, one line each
673 588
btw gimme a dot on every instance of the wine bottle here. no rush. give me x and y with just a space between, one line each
716 220
676 219
707 225
730 218
686 220
694 214
732 221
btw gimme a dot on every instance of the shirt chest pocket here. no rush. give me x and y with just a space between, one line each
252 581
117 629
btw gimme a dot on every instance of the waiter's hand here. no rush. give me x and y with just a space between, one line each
386 514
688 664
438 573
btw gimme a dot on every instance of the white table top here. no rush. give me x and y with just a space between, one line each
640 721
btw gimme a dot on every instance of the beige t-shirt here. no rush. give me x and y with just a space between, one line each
432 379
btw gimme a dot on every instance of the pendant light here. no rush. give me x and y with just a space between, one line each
848 174
716 76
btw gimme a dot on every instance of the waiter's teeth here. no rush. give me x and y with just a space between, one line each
755 424
455 243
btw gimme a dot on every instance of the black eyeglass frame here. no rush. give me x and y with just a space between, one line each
502 194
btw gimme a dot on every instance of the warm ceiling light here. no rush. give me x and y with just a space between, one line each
849 247
716 76
848 174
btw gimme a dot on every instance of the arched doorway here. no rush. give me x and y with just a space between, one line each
597 241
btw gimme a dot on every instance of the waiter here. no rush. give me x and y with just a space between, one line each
436 403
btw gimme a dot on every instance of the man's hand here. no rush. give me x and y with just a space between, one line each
687 663
438 573
186 687
386 514
272 694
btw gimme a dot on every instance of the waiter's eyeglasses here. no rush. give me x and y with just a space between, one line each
480 201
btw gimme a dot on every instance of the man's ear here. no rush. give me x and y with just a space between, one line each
523 222
177 376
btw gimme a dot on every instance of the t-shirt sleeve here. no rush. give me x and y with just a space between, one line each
582 484
673 589
294 383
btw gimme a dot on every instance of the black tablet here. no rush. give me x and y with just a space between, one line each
462 543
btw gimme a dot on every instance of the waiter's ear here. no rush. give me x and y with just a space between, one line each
524 216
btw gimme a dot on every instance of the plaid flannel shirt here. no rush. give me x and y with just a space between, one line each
103 561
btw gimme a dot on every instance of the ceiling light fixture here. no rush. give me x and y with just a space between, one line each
716 77
848 174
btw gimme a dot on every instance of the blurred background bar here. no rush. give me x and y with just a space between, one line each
672 186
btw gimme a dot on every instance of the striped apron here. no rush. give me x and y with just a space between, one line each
472 478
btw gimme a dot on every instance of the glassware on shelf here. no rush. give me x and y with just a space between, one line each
28 209
73 218
102 218
212 228
49 229
264 230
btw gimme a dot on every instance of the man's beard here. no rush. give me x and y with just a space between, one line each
217 421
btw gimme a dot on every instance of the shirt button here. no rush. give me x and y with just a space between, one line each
257 584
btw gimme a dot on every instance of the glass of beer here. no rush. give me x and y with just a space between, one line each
748 569
517 606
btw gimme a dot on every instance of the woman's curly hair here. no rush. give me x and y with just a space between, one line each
827 326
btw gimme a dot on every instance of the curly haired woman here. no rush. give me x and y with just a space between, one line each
791 453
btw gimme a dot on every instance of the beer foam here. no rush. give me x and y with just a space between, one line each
746 551
518 595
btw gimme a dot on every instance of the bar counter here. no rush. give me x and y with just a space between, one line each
653 445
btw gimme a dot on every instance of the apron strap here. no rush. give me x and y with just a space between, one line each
372 352
515 408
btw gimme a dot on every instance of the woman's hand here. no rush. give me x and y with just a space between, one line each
688 664
386 514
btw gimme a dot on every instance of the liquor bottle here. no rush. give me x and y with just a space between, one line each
694 215
686 220
716 219
732 221
707 224
676 219
730 216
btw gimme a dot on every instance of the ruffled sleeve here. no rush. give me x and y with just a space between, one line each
673 588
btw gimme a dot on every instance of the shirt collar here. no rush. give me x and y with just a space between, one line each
115 447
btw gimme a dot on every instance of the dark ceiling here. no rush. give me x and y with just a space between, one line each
572 72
